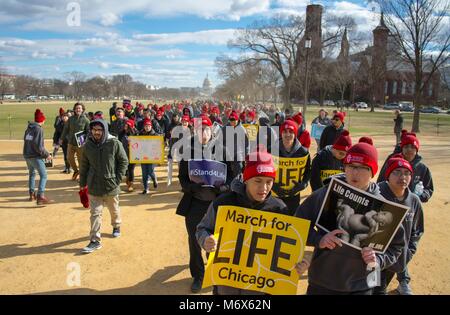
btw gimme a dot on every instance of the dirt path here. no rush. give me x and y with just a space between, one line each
38 244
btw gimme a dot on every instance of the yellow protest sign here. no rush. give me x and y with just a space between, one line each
324 174
252 131
256 250
289 170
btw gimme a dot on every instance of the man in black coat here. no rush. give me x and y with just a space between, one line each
331 133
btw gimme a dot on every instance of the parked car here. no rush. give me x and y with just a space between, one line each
328 103
448 112
406 108
391 106
313 102
430 109
360 105
343 103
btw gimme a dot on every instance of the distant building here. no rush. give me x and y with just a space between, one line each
207 89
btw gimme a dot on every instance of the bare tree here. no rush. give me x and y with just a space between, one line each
422 33
76 80
276 42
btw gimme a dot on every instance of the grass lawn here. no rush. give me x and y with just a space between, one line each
359 123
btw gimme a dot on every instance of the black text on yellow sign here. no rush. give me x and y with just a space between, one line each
289 170
257 250
324 174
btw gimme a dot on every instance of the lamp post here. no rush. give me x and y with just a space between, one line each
307 48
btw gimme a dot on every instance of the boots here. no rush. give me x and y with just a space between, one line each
130 186
42 200
32 196
75 175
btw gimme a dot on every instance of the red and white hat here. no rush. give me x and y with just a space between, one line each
343 142
289 124
39 116
410 138
397 161
364 153
259 163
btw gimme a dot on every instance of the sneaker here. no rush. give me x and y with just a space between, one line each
196 285
93 245
75 175
116 232
155 183
130 186
404 288
64 171
42 200
145 192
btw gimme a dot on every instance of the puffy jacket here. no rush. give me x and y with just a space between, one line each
103 164
329 135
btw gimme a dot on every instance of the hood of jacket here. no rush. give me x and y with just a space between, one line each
105 131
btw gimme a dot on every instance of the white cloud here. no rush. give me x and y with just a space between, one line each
110 19
210 37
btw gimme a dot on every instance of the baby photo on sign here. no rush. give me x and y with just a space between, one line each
366 220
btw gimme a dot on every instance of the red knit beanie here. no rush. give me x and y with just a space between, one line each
340 116
61 111
242 116
410 138
289 124
396 162
130 123
259 163
344 142
233 115
186 118
298 118
148 122
365 153
39 116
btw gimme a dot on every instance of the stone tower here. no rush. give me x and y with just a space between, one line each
345 47
379 56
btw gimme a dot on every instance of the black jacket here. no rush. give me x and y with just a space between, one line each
323 166
413 224
196 197
297 151
236 197
342 269
329 135
421 173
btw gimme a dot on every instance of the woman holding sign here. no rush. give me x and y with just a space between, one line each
294 167
197 196
337 268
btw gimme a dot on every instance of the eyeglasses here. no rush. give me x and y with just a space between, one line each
358 168
400 173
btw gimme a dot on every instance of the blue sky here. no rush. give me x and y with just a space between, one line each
165 42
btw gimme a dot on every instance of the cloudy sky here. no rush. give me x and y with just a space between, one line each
160 42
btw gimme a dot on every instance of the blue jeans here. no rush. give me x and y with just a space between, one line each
37 164
148 171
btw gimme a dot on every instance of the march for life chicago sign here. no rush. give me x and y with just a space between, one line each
367 220
146 149
207 172
256 250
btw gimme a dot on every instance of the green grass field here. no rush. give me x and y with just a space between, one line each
359 123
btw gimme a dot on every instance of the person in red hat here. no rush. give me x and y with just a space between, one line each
251 117
148 170
337 268
328 161
35 154
398 174
300 172
215 115
129 130
303 135
162 121
242 118
332 132
253 192
422 181
196 197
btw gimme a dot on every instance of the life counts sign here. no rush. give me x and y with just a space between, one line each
289 170
256 250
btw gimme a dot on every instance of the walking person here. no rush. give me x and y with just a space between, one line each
332 132
35 153
148 169
398 126
78 122
59 127
103 165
